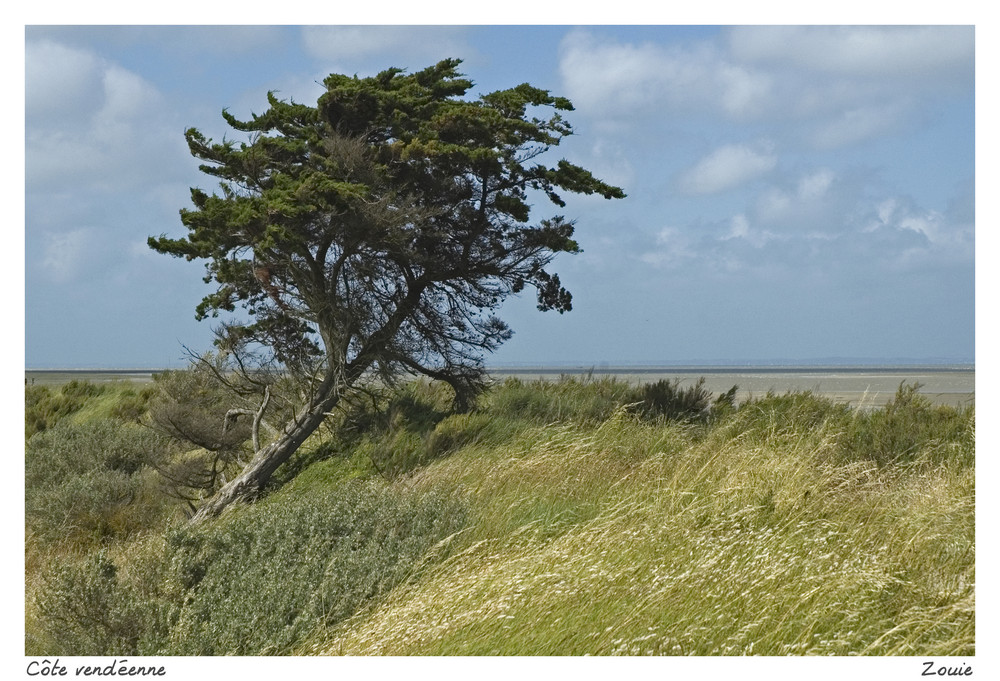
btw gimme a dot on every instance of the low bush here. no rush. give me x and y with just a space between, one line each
80 478
909 427
87 607
778 417
257 582
666 398
568 399
132 404
44 408
261 582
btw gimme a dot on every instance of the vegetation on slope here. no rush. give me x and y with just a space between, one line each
569 517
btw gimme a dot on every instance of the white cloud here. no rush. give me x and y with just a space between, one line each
126 95
740 227
815 185
850 126
893 52
64 253
620 80
842 85
339 43
806 205
728 167
745 92
821 226
673 247
942 231
111 131
59 80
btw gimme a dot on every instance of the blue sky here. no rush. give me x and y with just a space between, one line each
794 193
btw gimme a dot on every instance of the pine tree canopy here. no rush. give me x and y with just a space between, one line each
381 229
389 221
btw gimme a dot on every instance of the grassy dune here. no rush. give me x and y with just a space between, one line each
560 518
635 539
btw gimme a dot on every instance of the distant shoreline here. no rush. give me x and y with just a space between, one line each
602 368
731 369
863 385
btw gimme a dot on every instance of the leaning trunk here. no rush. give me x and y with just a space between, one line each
248 484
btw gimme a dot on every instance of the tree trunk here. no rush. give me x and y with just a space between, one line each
255 475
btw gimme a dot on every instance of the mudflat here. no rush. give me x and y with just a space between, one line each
858 386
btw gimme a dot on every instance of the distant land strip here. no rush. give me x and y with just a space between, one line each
732 369
861 385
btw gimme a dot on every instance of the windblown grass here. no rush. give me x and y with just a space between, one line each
636 538
561 519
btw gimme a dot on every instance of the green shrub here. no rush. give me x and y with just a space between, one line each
909 427
906 429
43 408
257 581
788 415
416 407
568 399
84 479
260 582
402 451
397 430
85 607
81 390
667 399
132 405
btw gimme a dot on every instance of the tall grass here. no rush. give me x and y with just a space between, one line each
561 518
773 535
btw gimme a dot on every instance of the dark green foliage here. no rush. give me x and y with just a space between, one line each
84 480
44 408
400 444
910 426
666 398
378 233
416 406
726 401
459 430
393 426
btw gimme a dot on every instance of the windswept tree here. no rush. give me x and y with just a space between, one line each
376 234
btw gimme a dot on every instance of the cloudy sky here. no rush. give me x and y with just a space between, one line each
793 193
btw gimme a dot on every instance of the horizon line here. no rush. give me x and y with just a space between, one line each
605 365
